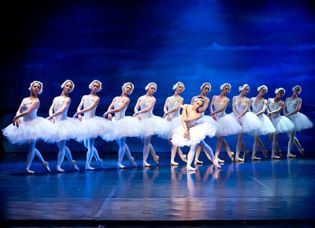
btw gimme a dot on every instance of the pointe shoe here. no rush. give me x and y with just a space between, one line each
275 157
265 152
156 159
220 160
237 159
184 158
28 171
100 163
120 166
289 155
60 170
256 158
302 152
189 168
88 167
231 155
75 166
174 163
216 163
146 164
46 166
133 161
198 162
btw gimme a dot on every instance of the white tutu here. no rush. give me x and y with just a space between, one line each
94 127
228 125
249 122
155 125
174 123
266 127
283 124
35 129
197 133
125 127
301 121
68 128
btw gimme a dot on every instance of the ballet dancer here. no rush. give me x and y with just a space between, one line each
259 107
291 110
193 132
67 127
27 127
171 109
123 126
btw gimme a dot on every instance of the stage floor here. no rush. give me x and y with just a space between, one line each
267 190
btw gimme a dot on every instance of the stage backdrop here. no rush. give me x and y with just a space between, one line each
193 41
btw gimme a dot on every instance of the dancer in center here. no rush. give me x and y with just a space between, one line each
193 131
94 126
152 125
172 108
123 126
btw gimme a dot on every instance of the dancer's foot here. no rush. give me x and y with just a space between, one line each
156 159
184 158
237 159
100 163
59 169
146 164
302 152
173 163
254 158
246 155
220 160
74 164
120 166
231 155
133 161
88 167
216 163
275 157
265 152
46 166
289 155
198 162
190 168
28 171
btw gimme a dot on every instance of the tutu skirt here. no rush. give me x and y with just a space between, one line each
228 125
283 124
266 127
68 128
174 123
125 127
35 129
197 133
249 122
94 127
155 125
301 121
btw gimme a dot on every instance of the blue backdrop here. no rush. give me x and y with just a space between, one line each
265 42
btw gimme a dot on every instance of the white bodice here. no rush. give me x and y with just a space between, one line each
88 101
257 107
57 105
217 104
173 102
121 114
27 102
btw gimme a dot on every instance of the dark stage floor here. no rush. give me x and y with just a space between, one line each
269 192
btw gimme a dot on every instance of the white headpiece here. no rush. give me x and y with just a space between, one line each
149 84
38 82
128 83
279 89
240 88
199 99
225 84
65 82
262 87
204 84
297 86
177 84
96 81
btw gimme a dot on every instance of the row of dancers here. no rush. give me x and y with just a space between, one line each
182 124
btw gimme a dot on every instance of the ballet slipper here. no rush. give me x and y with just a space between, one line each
256 158
189 168
28 171
59 169
146 164
46 166
156 159
216 163
265 152
220 160
120 166
289 155
88 167
75 166
198 162
302 152
133 161
100 163
174 163
275 157
184 158
231 155
238 159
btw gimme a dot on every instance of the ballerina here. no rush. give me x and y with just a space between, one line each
291 110
259 107
123 126
67 127
94 126
27 127
193 131
152 125
227 125
281 123
172 108
246 118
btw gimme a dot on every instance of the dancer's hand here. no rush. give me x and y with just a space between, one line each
16 121
186 134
